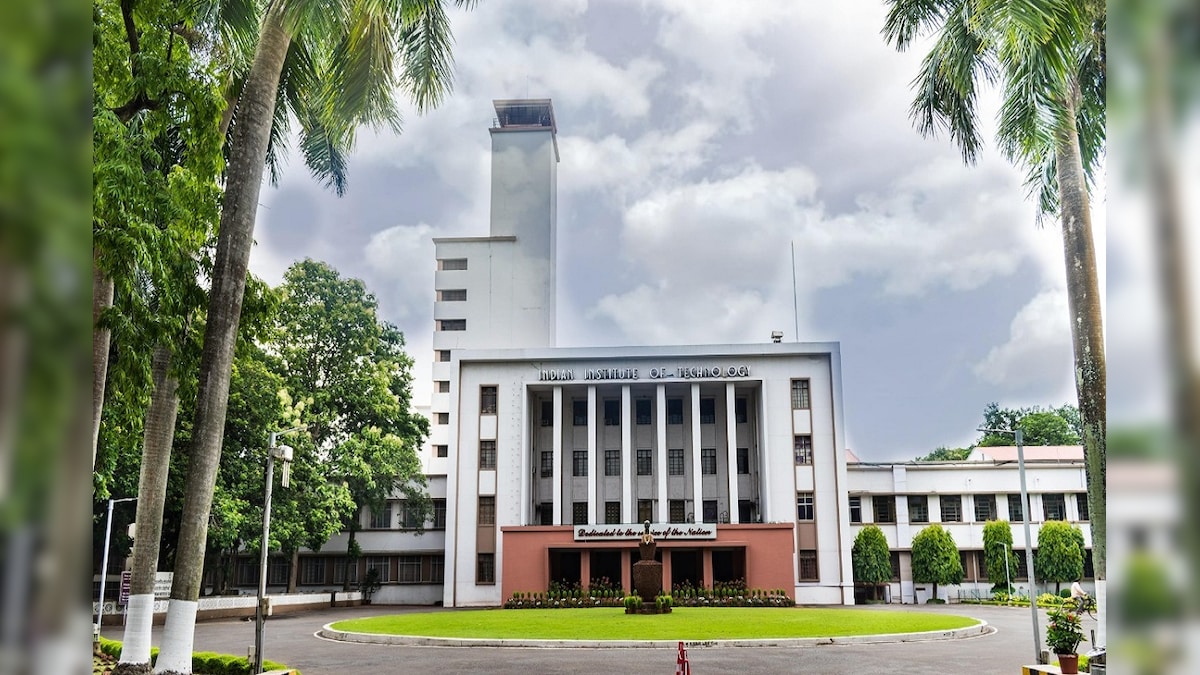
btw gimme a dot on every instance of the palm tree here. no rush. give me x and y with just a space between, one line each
1048 56
351 47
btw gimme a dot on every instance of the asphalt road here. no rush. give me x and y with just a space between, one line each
290 639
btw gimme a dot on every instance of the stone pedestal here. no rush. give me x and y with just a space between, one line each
647 580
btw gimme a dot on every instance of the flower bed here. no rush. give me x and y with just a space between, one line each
732 594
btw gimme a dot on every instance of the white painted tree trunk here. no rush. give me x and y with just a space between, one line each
179 633
139 619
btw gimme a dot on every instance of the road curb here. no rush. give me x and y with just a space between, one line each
328 632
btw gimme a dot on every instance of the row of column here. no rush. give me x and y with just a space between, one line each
660 473
706 567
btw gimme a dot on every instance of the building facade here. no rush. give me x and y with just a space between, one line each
544 462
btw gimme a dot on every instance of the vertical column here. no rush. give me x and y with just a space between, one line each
764 486
706 566
527 476
626 582
731 452
591 455
585 568
697 485
660 461
556 478
627 466
666 569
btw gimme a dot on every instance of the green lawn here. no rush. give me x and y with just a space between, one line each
684 623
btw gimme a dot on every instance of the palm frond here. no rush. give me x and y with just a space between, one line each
425 52
324 155
946 96
908 19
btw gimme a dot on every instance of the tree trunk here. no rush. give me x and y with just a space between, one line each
293 569
102 299
157 439
244 179
1087 329
351 547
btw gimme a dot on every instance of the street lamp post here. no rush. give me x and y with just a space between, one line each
104 558
284 454
1037 634
1007 581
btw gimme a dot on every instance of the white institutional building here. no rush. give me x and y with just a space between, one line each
544 461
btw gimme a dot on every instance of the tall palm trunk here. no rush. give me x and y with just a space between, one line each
158 437
247 156
102 299
1087 330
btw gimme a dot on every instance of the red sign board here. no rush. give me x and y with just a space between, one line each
126 578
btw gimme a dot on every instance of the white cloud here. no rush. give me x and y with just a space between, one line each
1038 352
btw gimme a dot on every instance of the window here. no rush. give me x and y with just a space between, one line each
579 514
678 512
452 324
443 418
985 508
487 509
546 513
441 450
382 565
743 460
485 568
951 508
645 510
674 411
1016 513
411 517
312 570
547 463
247 571
710 511
341 567
487 454
894 559
885 508
381 518
408 569
439 514
641 409
645 462
579 463
1022 566
487 400
612 413
739 410
708 461
1054 507
437 569
804 506
708 411
1081 503
803 448
443 386
808 566
612 462
452 295
448 264
675 462
856 509
612 513
800 398
547 416
443 355
918 509
579 413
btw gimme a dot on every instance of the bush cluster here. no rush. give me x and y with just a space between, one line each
723 594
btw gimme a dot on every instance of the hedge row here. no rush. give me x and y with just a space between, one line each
207 663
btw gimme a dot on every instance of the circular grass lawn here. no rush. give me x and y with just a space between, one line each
683 623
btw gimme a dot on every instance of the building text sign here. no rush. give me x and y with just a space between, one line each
630 531
711 372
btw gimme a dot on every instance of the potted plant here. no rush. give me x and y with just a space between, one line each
1063 635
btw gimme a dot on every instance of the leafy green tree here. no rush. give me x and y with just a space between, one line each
871 558
1056 426
352 48
944 454
1049 58
1047 428
1060 553
935 558
998 552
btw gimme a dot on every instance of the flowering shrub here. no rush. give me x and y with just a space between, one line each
726 594
1064 632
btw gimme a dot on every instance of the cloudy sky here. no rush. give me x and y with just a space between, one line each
700 141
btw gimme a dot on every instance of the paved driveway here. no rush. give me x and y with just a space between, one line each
290 639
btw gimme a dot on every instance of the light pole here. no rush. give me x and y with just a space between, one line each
1037 634
104 560
284 454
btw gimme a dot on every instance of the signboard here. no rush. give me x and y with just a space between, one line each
162 585
632 531
712 371
126 580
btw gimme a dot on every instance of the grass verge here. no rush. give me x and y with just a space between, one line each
683 623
